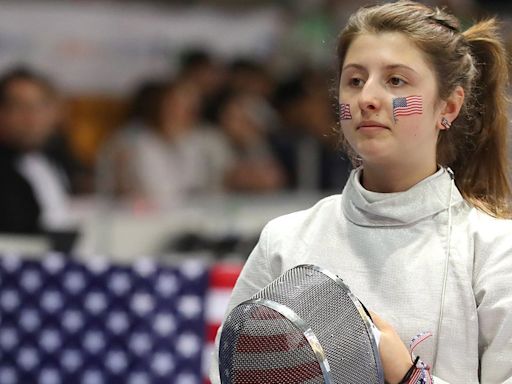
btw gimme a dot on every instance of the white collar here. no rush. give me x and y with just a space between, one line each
428 197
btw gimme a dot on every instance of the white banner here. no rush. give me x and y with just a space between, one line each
109 48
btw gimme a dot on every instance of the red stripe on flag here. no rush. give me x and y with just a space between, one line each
264 313
224 275
408 113
295 374
407 108
345 112
211 332
270 343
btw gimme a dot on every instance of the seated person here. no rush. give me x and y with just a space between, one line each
164 154
250 163
34 196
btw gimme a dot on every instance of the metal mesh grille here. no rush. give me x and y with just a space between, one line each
258 341
259 345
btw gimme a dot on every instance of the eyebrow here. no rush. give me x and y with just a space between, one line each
390 66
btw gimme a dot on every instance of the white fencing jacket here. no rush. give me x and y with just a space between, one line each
391 250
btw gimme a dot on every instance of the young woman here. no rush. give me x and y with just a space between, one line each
426 248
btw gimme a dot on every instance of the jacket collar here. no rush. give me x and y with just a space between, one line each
425 199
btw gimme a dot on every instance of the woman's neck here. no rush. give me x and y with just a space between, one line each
394 179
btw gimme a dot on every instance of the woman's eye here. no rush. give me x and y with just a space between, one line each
396 81
355 82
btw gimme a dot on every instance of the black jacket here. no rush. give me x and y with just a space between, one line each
19 209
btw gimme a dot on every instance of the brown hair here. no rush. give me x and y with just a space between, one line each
475 147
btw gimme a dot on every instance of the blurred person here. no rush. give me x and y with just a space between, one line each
306 143
250 76
34 193
200 67
251 166
113 177
208 74
165 153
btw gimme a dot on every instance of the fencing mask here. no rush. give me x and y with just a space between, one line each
304 327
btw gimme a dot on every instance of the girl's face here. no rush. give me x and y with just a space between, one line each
390 111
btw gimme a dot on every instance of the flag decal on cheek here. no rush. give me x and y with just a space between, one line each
406 106
345 112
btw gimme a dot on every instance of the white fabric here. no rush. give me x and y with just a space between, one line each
376 333
392 254
168 172
171 171
48 187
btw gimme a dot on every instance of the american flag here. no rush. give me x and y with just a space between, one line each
265 335
222 280
406 106
345 112
65 321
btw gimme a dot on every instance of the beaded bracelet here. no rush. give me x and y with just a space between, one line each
419 373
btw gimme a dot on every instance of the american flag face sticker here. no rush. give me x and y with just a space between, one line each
345 112
407 106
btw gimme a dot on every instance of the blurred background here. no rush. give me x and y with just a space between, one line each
149 138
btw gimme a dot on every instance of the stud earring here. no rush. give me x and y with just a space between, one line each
445 123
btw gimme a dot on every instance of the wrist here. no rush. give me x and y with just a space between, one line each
409 372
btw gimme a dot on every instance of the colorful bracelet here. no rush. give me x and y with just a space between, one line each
419 373
422 374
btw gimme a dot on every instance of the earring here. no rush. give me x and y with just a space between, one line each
445 123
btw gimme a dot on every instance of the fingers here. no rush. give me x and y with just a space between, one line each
379 322
395 357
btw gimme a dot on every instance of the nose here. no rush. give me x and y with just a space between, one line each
370 98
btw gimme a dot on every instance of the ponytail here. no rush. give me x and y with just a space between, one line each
481 165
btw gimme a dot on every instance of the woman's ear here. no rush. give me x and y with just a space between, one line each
451 108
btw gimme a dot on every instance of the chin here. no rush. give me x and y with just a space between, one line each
375 153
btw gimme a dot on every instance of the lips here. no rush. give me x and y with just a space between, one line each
371 124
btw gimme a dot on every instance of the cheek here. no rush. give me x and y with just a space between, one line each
348 133
419 129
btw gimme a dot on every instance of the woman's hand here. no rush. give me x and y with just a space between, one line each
396 359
